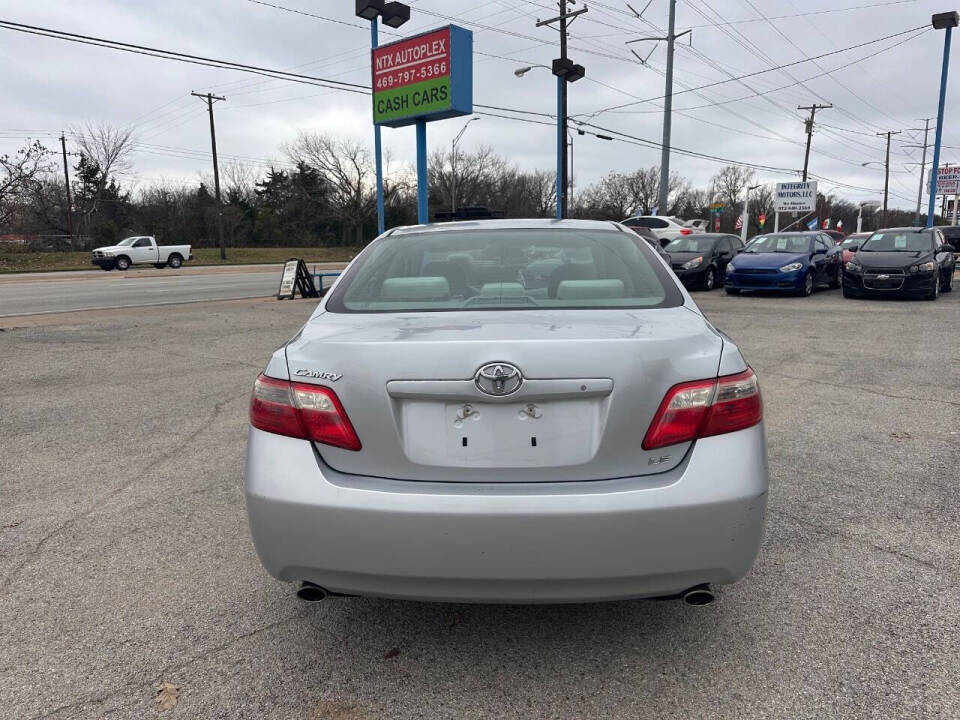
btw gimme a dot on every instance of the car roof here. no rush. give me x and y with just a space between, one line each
902 229
793 232
514 224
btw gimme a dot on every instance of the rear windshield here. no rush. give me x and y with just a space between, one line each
779 244
893 241
692 243
505 269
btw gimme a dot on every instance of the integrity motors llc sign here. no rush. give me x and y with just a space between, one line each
795 197
425 77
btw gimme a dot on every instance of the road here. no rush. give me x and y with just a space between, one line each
125 557
43 293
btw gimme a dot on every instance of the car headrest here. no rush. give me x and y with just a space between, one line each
502 289
415 288
589 289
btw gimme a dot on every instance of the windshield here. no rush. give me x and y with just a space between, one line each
692 243
127 242
793 244
893 241
505 269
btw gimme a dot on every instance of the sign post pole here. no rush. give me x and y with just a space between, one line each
560 141
939 132
377 146
423 211
776 222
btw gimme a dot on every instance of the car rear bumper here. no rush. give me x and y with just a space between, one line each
701 522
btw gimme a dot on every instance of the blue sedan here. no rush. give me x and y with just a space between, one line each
794 262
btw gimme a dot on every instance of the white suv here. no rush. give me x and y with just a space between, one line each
666 228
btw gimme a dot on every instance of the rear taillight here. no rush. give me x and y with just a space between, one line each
300 410
686 231
703 408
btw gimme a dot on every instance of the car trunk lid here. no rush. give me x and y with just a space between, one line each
592 380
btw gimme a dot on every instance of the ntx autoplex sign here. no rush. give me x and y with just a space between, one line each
424 77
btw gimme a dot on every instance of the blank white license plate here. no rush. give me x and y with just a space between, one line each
545 434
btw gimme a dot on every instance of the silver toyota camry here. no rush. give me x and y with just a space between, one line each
507 411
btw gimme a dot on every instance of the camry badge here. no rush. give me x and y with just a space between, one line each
498 379
332 377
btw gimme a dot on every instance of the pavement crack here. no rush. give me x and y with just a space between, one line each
38 548
170 670
871 391
827 530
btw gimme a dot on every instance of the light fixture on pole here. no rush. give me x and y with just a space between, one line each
453 165
941 21
394 14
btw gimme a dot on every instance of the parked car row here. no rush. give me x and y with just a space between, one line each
896 261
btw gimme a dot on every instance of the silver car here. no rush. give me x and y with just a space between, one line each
507 411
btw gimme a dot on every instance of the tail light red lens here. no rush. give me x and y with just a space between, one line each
301 410
686 231
703 408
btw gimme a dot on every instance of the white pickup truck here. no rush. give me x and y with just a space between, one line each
140 250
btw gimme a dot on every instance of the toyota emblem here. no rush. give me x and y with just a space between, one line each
498 379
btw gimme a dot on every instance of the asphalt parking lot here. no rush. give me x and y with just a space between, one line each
126 561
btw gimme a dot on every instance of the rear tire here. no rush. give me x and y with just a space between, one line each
122 263
175 261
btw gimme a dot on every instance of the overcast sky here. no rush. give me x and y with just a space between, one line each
50 84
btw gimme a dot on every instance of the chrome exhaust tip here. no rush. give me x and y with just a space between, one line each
309 592
698 595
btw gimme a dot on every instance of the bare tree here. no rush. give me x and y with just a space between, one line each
19 177
108 146
347 168
731 183
105 150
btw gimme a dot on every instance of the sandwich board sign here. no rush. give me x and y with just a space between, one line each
795 197
423 78
296 277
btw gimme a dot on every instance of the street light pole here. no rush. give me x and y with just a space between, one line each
453 165
941 21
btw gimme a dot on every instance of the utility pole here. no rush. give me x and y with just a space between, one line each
667 110
923 169
66 180
809 125
566 72
210 99
671 38
886 174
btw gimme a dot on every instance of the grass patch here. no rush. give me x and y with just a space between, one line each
16 261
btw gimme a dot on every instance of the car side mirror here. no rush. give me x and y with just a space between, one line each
853 248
